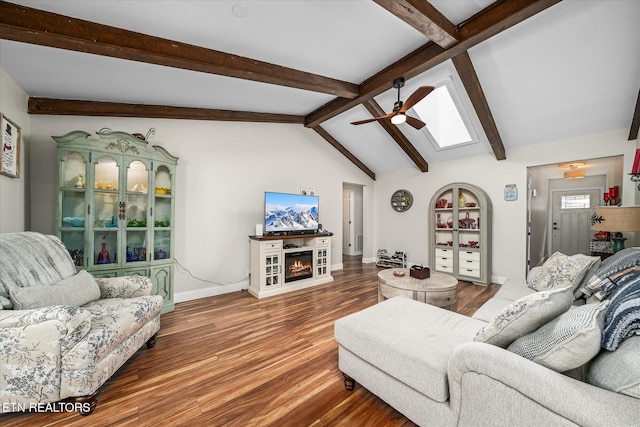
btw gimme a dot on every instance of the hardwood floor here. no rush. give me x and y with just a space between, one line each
234 360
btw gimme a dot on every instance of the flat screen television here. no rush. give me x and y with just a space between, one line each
286 214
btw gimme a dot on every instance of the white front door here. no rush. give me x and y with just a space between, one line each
571 220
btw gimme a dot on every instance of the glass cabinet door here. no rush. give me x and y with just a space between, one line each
136 212
162 216
106 211
73 205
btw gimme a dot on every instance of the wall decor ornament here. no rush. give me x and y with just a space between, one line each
401 200
510 192
10 164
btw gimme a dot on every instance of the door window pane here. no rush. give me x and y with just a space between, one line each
580 201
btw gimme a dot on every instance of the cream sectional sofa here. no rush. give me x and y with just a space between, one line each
62 333
440 368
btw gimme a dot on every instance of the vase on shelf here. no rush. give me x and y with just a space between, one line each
462 201
103 256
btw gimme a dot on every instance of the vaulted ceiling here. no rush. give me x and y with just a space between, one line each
528 71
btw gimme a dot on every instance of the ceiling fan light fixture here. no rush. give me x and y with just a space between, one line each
398 119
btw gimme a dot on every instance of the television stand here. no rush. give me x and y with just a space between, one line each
281 264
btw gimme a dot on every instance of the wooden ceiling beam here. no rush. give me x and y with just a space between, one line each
469 78
341 148
635 121
28 25
374 108
425 18
487 23
66 107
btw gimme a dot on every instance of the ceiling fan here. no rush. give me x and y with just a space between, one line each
398 115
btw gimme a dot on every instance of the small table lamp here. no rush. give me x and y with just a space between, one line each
617 219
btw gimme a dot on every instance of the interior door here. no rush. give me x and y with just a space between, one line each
571 220
347 222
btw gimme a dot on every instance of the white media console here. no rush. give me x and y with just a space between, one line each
282 264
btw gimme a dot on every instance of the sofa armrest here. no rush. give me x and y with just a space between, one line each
489 382
33 344
125 286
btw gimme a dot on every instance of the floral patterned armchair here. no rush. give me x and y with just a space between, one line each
63 334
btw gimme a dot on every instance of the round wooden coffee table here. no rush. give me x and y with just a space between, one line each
439 289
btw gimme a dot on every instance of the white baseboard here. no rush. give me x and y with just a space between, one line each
368 260
210 291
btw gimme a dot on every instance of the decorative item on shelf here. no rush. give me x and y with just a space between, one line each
80 182
131 257
112 223
635 171
163 223
616 219
398 273
450 222
606 198
162 190
103 256
160 254
136 223
442 203
614 195
467 222
419 272
601 235
74 221
462 200
470 204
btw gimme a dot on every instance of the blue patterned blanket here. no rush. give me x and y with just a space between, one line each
622 319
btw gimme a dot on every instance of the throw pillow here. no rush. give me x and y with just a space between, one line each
623 315
76 290
560 271
610 267
618 371
525 315
567 342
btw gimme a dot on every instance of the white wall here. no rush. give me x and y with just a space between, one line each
223 170
14 191
408 231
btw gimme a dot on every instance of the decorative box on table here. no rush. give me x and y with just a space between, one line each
420 272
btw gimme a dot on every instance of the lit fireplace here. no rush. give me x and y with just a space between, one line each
298 265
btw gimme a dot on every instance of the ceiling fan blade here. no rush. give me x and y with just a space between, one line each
416 97
416 123
386 116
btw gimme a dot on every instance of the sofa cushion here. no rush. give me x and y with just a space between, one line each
525 315
567 342
50 262
623 315
113 320
513 289
619 370
560 271
409 340
609 268
76 290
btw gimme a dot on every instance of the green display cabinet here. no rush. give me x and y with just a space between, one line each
116 205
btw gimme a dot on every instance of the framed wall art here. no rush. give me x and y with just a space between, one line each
10 164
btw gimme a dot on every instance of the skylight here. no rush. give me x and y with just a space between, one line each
448 125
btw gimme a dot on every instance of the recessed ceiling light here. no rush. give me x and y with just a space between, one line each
239 10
